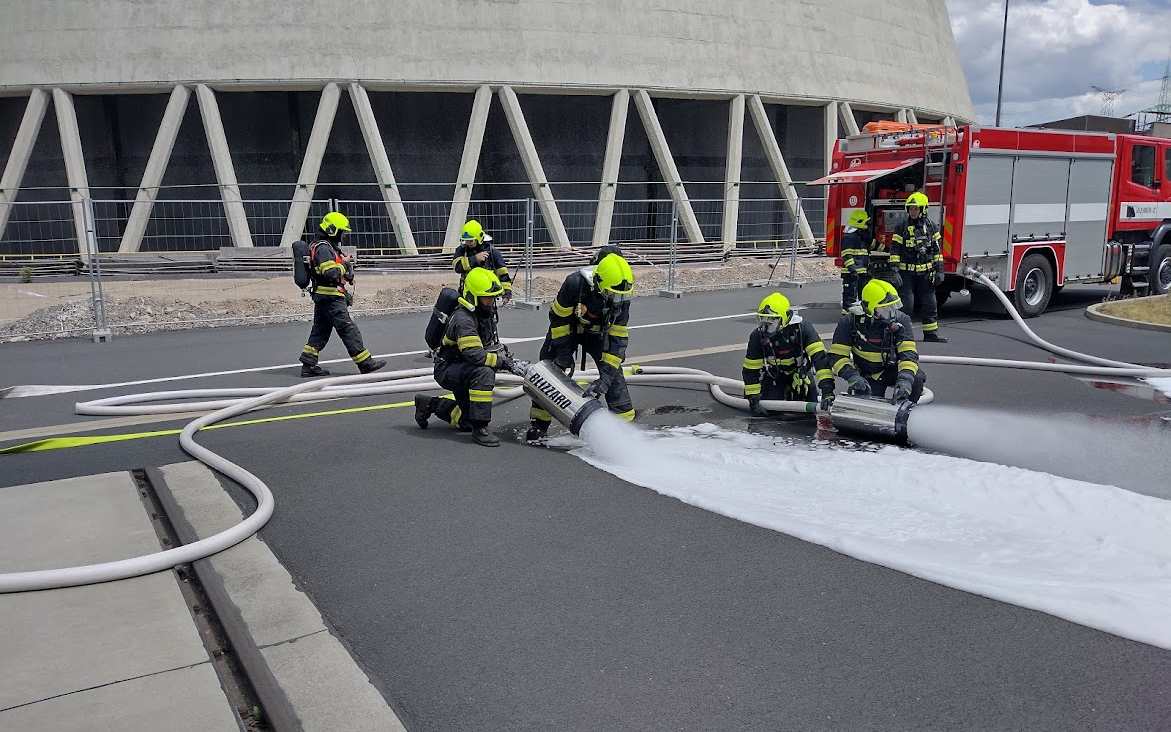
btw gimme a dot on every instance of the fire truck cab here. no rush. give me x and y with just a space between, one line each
1032 209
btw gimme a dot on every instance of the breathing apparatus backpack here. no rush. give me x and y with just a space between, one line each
302 264
445 305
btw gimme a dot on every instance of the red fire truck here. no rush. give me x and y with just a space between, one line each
1033 209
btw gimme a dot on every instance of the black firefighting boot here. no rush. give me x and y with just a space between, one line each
424 408
934 337
370 365
308 371
483 437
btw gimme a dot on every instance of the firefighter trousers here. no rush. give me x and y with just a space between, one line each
331 313
919 290
880 381
787 386
617 396
471 386
852 285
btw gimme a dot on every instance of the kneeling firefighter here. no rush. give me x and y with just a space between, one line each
325 271
785 355
876 350
591 311
468 358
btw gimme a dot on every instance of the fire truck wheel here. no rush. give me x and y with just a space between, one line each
1034 285
1160 274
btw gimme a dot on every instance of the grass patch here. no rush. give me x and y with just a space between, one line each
1147 309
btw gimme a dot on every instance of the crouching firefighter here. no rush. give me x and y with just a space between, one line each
467 361
591 311
876 350
329 273
785 357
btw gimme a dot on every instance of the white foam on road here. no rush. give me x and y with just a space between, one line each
1162 384
1093 554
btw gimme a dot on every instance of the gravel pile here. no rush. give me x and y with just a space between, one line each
146 314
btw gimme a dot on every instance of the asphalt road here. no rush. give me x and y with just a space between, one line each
522 588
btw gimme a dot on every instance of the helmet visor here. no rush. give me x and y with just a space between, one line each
621 292
886 312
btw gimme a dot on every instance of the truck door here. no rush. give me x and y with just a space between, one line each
1089 209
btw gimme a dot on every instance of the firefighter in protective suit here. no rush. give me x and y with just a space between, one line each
876 350
476 250
468 360
915 253
785 357
591 311
330 272
855 257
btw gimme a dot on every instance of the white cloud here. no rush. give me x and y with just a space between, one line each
1056 50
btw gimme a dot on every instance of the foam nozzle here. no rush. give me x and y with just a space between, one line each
872 417
556 393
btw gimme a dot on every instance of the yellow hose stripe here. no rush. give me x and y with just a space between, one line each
60 443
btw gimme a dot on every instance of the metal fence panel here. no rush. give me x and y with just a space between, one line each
39 228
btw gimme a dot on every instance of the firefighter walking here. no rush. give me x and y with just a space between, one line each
468 359
855 257
476 250
876 350
330 271
915 252
591 311
785 358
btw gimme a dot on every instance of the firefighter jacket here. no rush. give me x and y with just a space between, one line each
784 356
471 337
465 260
580 313
855 251
331 269
915 246
872 346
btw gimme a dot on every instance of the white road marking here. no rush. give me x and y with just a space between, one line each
41 390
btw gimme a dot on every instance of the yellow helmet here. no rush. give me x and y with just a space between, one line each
478 283
775 313
473 231
880 294
858 219
333 223
614 278
917 198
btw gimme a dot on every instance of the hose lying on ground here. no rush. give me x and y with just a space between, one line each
229 403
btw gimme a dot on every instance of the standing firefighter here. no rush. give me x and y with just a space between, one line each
876 350
467 361
855 257
784 358
476 250
329 273
592 310
915 252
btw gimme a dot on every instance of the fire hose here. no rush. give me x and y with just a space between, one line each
223 404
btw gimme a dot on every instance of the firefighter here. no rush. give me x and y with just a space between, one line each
784 352
915 252
591 310
330 272
468 359
855 257
476 250
876 350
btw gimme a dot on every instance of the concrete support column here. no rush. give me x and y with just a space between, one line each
311 164
912 118
382 170
667 168
831 133
734 159
532 163
776 161
22 150
947 122
901 115
846 112
467 167
74 163
156 167
610 166
225 172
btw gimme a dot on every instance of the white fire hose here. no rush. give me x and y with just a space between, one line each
229 403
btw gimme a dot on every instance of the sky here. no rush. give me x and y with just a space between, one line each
1056 50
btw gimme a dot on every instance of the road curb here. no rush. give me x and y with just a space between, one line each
1094 312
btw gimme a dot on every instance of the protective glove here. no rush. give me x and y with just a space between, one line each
506 297
519 367
504 362
903 389
827 399
598 388
349 296
755 408
859 386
